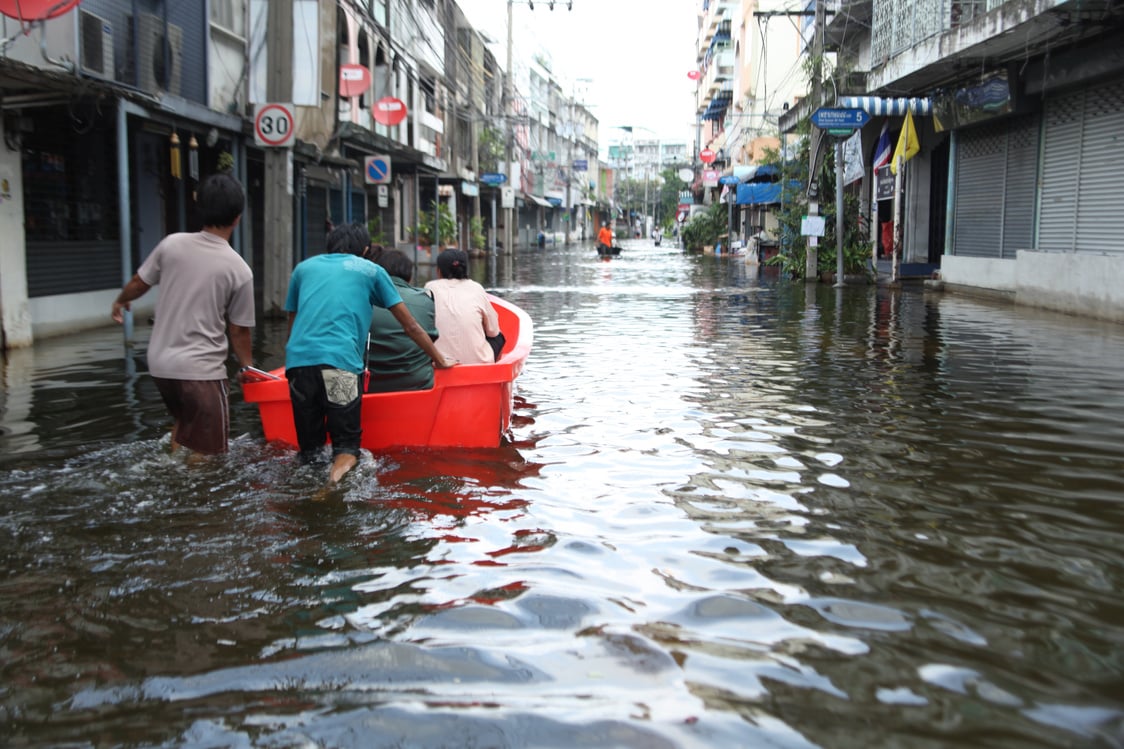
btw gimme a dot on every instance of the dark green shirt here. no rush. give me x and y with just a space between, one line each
396 362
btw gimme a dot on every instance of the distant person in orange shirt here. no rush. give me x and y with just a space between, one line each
605 240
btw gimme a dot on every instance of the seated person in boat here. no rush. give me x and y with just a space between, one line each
330 301
394 360
465 316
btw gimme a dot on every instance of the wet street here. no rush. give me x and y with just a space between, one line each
733 511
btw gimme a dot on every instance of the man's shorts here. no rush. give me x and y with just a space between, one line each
201 409
326 403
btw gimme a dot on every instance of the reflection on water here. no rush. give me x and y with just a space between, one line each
732 511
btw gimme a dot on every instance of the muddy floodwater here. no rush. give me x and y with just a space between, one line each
732 511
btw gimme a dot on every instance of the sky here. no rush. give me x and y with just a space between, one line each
635 54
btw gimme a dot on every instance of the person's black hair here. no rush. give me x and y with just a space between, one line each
350 238
220 200
453 263
396 264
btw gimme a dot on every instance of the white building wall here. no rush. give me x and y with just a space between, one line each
1078 284
15 312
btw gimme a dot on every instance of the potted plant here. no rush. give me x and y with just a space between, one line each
438 223
476 236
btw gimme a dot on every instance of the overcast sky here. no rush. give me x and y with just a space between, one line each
636 53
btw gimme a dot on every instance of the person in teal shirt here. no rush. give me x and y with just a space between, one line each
330 301
395 361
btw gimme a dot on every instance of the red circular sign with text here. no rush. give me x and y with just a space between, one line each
694 75
389 111
707 156
354 80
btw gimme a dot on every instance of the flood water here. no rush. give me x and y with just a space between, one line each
732 511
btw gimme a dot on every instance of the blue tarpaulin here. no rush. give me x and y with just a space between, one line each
761 193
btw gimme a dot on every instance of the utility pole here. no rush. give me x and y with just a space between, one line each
509 136
811 264
277 237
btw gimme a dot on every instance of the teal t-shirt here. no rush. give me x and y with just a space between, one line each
332 296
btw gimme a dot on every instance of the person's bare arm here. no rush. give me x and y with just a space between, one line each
133 290
419 336
242 344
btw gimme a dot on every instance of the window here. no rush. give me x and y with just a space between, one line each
229 15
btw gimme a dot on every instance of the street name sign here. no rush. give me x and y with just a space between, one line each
839 121
493 178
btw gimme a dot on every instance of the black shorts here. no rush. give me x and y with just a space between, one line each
201 410
326 404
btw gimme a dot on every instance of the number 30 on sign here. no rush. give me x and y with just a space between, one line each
273 125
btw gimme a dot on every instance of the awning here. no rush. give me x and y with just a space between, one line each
537 200
716 110
759 172
888 107
762 193
587 202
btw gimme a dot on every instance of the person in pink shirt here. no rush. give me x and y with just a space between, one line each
465 316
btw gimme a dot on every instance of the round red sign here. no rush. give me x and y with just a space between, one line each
707 155
389 111
694 75
354 80
35 10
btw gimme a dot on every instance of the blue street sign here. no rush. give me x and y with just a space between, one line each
581 165
378 170
493 178
728 179
826 118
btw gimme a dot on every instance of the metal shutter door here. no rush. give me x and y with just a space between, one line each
1057 213
980 173
1100 216
1021 186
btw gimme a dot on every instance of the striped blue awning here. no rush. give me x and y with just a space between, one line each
878 105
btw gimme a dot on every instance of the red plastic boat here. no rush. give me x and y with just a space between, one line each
469 406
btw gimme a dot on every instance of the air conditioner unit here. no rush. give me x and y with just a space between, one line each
159 67
95 45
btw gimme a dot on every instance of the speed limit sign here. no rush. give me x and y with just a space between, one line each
273 125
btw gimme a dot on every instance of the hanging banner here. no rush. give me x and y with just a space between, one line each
853 169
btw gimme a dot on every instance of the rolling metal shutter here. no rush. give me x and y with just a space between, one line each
1083 160
995 188
980 171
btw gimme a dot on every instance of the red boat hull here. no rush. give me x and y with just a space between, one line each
469 405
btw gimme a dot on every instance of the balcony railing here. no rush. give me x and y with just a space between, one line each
899 25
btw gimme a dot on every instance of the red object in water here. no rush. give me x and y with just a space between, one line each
36 10
470 405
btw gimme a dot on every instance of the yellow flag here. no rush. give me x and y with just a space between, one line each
907 146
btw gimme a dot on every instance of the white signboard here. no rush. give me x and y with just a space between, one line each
384 196
507 197
812 226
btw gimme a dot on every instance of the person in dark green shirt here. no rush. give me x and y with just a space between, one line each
395 361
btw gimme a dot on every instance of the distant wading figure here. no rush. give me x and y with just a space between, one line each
330 302
464 315
206 291
395 361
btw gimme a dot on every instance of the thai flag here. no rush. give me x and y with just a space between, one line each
882 153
